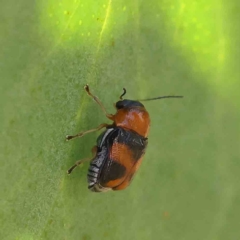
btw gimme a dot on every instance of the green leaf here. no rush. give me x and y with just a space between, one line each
188 184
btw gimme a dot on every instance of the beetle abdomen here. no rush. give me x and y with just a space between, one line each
119 151
98 162
95 169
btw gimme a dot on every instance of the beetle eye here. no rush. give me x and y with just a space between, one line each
119 105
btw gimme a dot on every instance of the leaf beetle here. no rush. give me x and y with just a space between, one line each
120 148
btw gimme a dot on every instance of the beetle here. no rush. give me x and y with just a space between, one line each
120 148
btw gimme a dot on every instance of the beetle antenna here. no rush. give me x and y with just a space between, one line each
124 92
150 99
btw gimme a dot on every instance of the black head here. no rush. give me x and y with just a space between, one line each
128 104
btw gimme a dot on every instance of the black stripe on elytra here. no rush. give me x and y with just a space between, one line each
136 143
112 170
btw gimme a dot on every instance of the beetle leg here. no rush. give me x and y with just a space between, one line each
94 152
110 116
78 163
69 137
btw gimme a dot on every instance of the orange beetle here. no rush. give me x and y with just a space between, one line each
120 148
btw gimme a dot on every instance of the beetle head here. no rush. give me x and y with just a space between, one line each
128 104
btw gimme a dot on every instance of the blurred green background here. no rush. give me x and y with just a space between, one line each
188 185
